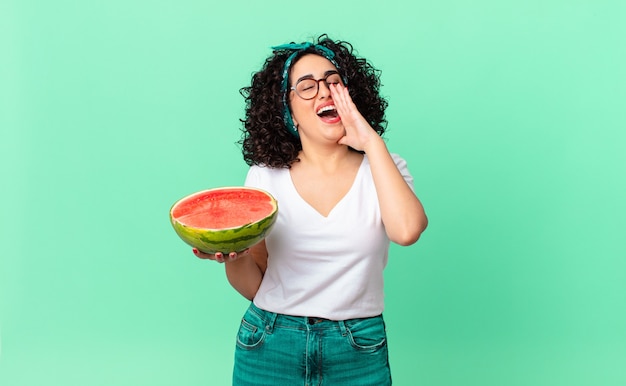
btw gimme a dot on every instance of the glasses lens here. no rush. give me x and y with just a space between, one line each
334 79
307 88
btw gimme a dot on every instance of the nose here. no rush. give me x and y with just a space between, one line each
323 91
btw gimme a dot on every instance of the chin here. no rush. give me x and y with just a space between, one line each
336 130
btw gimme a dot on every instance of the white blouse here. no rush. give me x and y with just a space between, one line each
329 267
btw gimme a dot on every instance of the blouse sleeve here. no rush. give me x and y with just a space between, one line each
252 179
404 170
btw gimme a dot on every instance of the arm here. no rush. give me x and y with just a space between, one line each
244 270
245 273
402 212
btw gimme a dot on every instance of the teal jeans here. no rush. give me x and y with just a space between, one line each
276 350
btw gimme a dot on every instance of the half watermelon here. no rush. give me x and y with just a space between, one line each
228 219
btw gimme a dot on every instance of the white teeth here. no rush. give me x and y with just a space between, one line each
326 108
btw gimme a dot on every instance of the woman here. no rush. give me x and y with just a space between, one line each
312 135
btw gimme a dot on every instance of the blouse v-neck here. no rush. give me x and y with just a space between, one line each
305 204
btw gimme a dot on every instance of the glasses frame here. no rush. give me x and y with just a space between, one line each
317 84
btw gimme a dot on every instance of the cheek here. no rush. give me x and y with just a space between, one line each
300 108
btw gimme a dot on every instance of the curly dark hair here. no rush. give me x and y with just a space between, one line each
265 138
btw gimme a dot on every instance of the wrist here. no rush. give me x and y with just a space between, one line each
374 144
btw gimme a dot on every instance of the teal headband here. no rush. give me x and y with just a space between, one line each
298 48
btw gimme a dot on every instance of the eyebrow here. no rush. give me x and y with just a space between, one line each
310 76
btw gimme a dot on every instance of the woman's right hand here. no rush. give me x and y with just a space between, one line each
219 256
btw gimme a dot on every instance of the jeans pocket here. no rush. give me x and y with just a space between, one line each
367 334
251 332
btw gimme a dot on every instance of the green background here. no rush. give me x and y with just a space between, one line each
511 115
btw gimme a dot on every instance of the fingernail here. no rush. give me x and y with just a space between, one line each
195 251
232 255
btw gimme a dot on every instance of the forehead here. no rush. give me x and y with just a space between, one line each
311 64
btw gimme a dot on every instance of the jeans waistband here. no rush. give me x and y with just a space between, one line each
273 319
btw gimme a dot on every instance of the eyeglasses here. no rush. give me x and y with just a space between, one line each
308 88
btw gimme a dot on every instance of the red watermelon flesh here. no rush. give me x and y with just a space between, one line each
224 209
224 219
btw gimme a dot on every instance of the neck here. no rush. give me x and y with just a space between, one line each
328 159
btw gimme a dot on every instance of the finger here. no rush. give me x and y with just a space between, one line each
348 102
203 255
343 101
235 255
338 97
342 94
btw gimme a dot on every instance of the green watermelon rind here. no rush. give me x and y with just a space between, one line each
226 240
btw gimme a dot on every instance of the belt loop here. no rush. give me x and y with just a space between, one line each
271 320
343 328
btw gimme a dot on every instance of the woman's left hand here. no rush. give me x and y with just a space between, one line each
358 130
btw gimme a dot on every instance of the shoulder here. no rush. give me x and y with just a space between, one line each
402 166
397 159
261 175
264 170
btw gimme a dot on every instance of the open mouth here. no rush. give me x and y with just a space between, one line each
328 114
